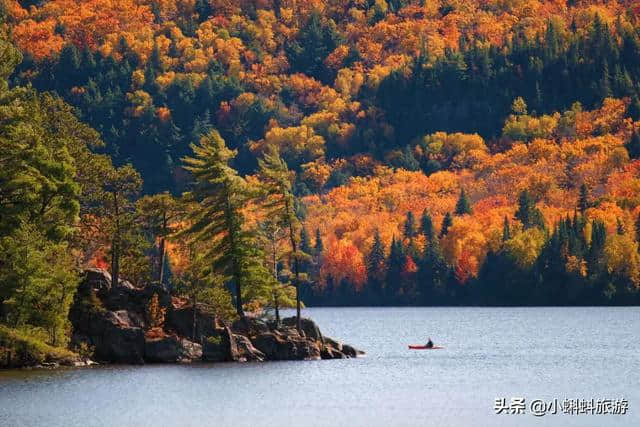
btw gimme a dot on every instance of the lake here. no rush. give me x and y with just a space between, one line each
531 353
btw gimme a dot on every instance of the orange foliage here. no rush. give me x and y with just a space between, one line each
551 169
343 260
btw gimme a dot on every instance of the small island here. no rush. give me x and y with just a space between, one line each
127 324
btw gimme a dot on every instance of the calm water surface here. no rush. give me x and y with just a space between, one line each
543 353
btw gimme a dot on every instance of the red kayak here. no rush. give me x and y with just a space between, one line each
424 347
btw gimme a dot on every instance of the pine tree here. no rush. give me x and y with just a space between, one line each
525 204
305 244
375 263
280 202
410 226
583 200
634 108
283 294
595 254
432 272
637 228
395 266
216 218
619 226
158 215
633 146
463 206
426 225
121 187
319 246
314 41
506 231
528 214
376 256
447 222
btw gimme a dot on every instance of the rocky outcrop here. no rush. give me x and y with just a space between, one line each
280 346
171 349
115 332
244 351
112 320
308 327
179 320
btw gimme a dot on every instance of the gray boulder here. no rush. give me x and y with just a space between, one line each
308 326
171 349
244 351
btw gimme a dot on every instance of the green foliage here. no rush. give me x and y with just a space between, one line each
426 225
633 146
433 272
525 247
447 222
506 230
158 216
319 246
315 41
583 200
463 206
376 259
528 214
216 217
37 282
410 226
44 171
279 202
217 340
20 347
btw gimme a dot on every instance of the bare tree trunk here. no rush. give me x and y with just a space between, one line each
274 255
237 273
115 245
277 308
296 266
193 329
162 248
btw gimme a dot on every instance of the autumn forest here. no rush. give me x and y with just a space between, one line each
255 155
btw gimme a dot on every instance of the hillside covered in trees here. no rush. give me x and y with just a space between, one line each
257 154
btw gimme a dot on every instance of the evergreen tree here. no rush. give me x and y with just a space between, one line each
410 226
447 222
432 272
216 218
583 200
619 226
634 109
633 146
528 214
305 242
282 293
315 40
375 262
280 202
319 246
117 205
158 215
426 225
395 266
463 206
506 231
595 255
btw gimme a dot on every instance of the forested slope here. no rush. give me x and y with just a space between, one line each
365 152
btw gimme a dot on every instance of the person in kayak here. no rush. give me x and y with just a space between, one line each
429 344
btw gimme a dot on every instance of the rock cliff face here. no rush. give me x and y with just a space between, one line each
111 319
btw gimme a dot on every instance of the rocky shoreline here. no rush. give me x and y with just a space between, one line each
111 322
